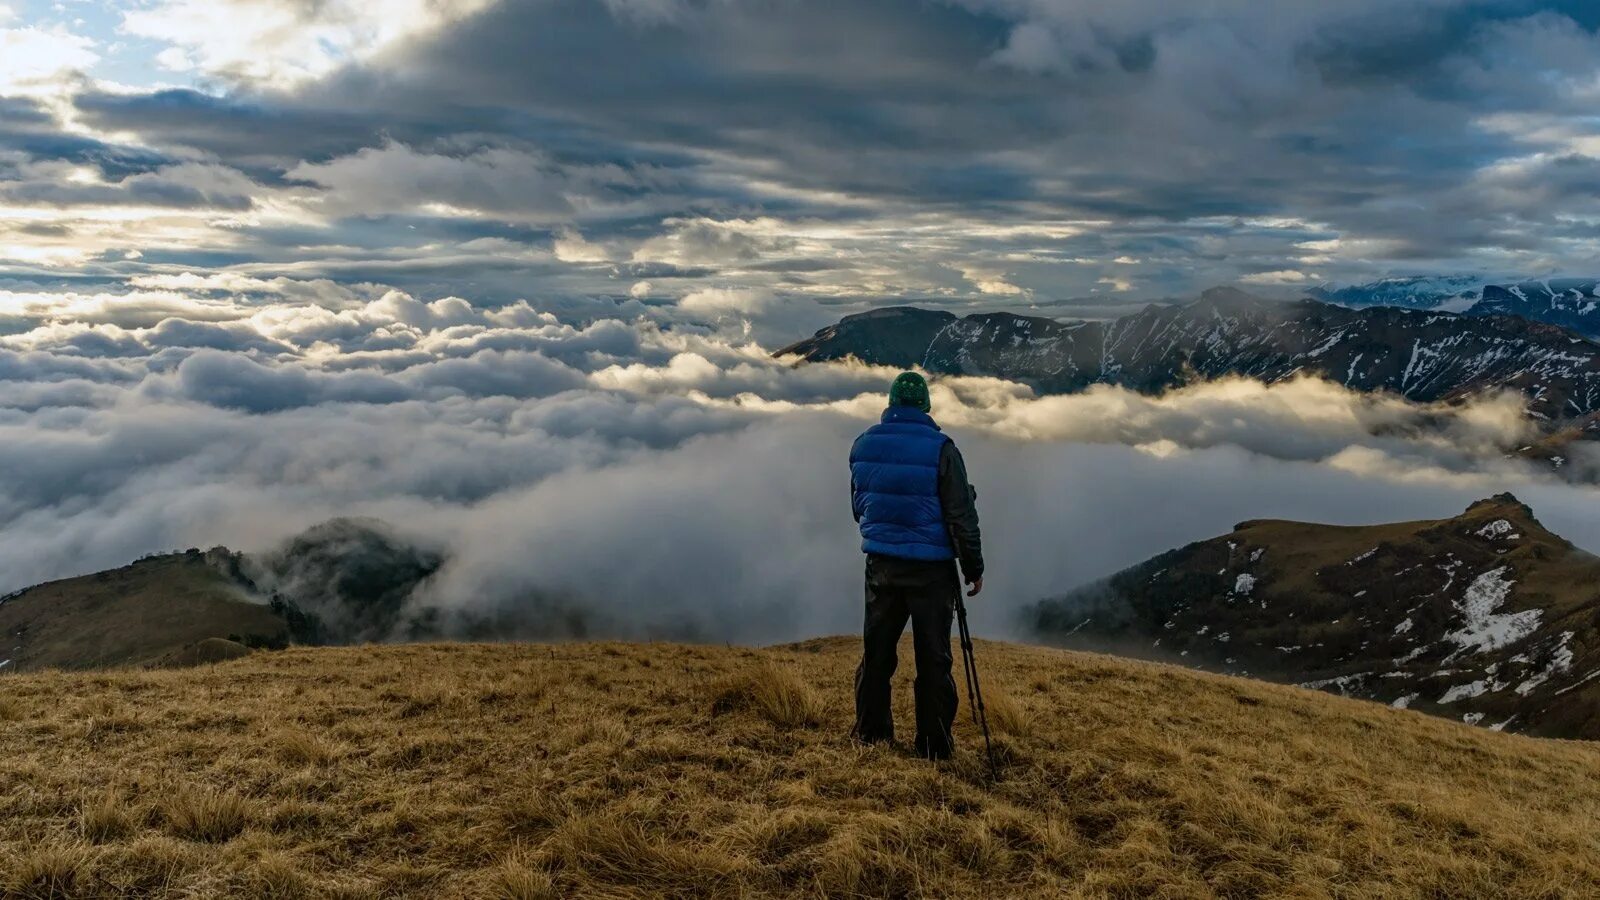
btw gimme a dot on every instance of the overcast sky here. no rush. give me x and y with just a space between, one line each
851 152
507 274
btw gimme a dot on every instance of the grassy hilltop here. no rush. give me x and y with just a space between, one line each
633 770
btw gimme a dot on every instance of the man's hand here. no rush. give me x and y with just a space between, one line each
976 585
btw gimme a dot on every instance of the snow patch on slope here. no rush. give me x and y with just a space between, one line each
1463 691
1482 628
1499 528
1560 661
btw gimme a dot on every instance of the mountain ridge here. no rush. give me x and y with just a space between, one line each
1424 356
1571 303
1486 616
341 581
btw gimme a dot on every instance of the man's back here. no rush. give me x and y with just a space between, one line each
910 495
894 470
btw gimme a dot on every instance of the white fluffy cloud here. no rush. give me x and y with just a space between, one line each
1280 276
33 60
284 42
759 315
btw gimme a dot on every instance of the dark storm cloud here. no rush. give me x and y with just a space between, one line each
281 130
29 128
132 192
910 97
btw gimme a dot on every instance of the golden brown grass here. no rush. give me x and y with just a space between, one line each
204 814
618 770
52 870
106 818
776 693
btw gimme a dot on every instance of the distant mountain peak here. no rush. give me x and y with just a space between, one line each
896 312
1570 303
1505 505
1228 297
1501 501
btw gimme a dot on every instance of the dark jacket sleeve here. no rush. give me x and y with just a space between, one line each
960 510
855 492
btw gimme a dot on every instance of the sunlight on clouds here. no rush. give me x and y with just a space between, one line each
571 247
283 43
989 281
132 309
50 256
35 60
88 232
1279 276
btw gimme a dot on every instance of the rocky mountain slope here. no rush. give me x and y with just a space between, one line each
1571 303
1487 617
1426 356
663 770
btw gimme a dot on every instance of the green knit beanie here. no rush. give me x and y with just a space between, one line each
910 390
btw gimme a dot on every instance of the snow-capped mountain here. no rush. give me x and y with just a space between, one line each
1568 302
1487 617
1426 356
1572 303
1450 293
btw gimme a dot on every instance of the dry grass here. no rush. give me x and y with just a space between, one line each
777 694
519 879
1006 714
108 817
48 871
616 770
204 814
298 747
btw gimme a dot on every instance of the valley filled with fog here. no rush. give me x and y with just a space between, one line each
655 465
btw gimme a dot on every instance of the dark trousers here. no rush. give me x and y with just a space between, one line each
925 593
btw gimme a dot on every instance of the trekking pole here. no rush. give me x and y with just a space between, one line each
966 664
971 664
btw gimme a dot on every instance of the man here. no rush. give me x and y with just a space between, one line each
909 492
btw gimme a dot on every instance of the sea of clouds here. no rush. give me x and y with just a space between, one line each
654 465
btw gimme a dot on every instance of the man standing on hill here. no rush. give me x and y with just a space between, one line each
909 492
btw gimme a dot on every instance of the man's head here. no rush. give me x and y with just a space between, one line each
909 389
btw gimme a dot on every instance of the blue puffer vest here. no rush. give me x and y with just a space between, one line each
894 469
